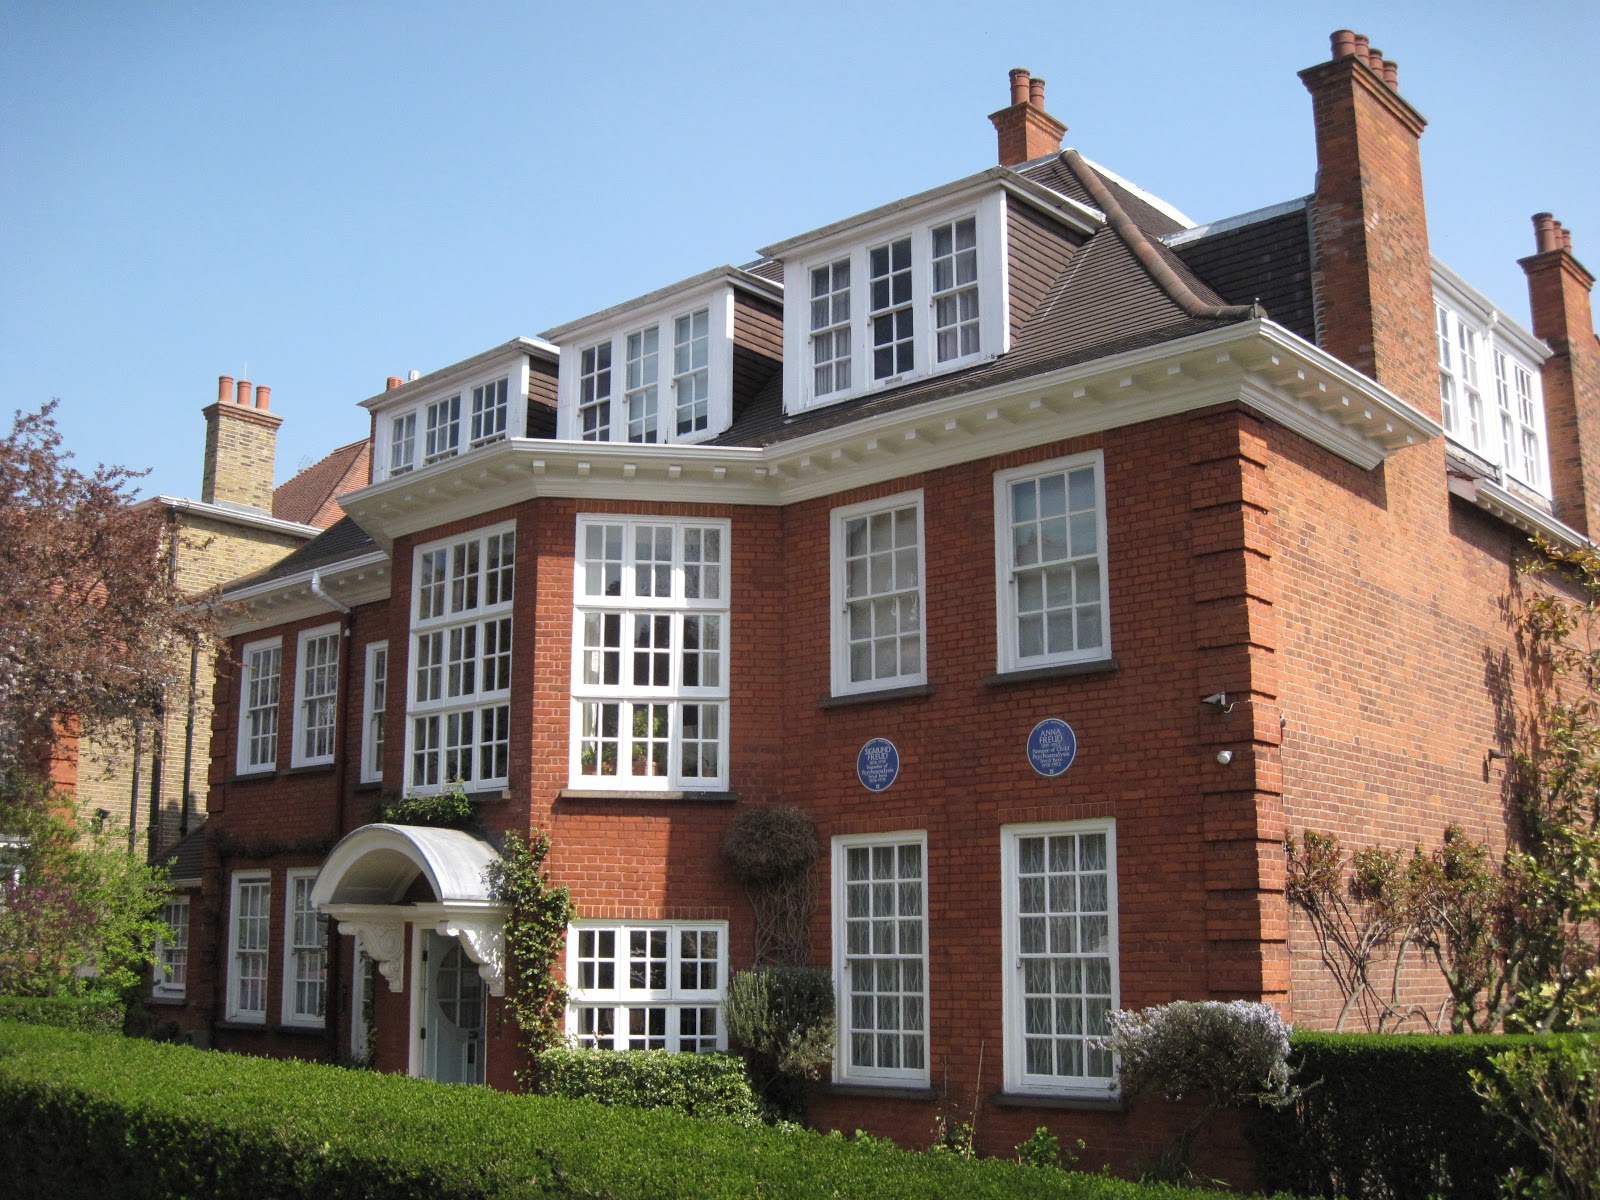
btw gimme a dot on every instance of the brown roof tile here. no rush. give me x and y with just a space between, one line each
311 497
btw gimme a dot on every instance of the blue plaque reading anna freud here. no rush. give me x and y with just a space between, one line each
1052 746
878 765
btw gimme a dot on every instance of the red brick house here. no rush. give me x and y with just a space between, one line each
1057 556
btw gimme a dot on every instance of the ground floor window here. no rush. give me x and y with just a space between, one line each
655 986
305 974
172 953
247 946
1060 947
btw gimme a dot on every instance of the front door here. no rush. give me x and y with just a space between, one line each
452 1014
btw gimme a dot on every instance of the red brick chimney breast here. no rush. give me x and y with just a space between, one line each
1025 130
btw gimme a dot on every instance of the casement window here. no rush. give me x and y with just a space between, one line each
691 372
1051 586
259 685
172 950
1460 397
488 413
642 395
647 986
650 659
830 327
374 701
316 695
1490 398
305 953
248 934
458 710
402 443
1059 947
880 940
890 310
594 388
442 432
878 595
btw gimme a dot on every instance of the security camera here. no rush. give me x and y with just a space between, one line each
1224 757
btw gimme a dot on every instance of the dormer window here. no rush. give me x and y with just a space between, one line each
488 413
402 443
644 352
691 375
443 430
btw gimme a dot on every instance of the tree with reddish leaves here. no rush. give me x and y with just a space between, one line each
91 616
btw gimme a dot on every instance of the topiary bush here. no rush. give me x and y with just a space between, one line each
697 1085
773 852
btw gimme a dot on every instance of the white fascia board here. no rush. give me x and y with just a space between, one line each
230 515
1494 319
352 581
665 297
1223 225
478 364
1150 198
1502 502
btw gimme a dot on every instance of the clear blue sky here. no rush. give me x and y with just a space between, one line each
324 194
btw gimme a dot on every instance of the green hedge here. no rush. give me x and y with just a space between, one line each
95 1115
697 1085
95 1012
1390 1116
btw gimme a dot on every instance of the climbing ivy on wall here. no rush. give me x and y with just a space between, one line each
537 914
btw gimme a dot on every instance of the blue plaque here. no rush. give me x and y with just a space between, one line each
1051 747
878 765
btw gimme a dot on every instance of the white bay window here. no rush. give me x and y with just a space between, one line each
647 986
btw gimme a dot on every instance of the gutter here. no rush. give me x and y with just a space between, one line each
320 593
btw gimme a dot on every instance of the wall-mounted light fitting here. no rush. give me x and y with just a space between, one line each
1218 701
1495 752
1224 757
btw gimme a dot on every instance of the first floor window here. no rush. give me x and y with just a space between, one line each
374 703
305 975
172 952
258 706
247 947
1060 946
656 986
880 940
877 573
316 695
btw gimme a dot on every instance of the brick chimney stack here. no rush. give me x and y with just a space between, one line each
1025 130
1558 293
241 445
1373 275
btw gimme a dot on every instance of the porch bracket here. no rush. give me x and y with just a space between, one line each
485 944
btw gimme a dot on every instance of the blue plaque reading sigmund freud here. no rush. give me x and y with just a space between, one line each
878 765
1052 746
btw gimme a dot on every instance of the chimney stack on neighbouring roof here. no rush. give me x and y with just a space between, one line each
1558 296
241 445
1025 130
393 382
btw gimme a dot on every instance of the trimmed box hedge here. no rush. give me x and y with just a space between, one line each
1391 1116
96 1012
96 1115
696 1085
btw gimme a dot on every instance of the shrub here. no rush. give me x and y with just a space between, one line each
91 1012
450 809
783 1018
697 1085
1551 1094
773 852
537 915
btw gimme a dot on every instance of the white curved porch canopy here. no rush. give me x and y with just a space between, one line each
365 878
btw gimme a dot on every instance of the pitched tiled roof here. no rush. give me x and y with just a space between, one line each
311 497
1264 261
342 540
184 860
1056 175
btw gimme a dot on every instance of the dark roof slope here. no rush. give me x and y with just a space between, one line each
340 541
1266 261
186 858
311 496
1054 174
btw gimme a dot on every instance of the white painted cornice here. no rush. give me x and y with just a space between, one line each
256 606
1515 510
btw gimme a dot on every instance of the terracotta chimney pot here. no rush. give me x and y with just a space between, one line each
394 382
1036 92
224 388
1019 85
242 393
1391 74
263 395
1344 43
1544 233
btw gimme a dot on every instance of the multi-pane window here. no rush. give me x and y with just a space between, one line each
650 670
374 703
442 430
880 936
877 593
830 327
488 412
691 370
247 947
258 706
172 949
305 953
459 707
647 986
1510 434
955 289
1050 540
1460 398
893 324
402 443
1060 946
594 394
641 395
316 695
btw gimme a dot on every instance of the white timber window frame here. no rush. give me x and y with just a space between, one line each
878 595
485 402
1052 592
402 443
647 985
305 953
898 299
316 695
489 412
441 429
1060 956
650 653
249 938
880 957
458 697
662 373
374 706
171 972
260 695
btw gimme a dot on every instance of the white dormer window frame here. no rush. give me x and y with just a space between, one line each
446 422
657 375
907 297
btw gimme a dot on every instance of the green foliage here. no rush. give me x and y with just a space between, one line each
697 1085
537 915
951 1136
1385 1116
1043 1149
449 809
88 1012
1551 1094
116 1118
773 852
83 914
783 1019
